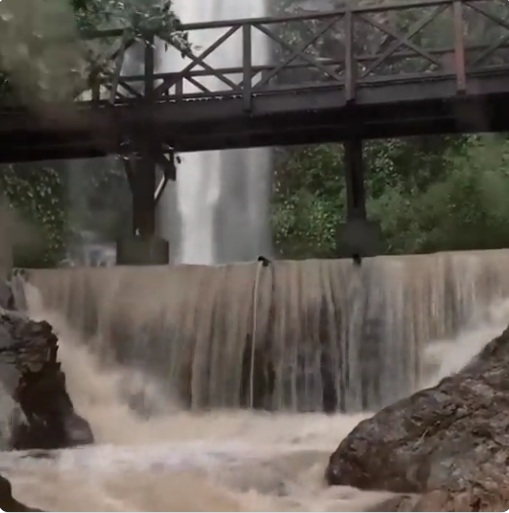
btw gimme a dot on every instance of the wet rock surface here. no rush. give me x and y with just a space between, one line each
45 417
6 297
476 498
396 503
449 442
7 501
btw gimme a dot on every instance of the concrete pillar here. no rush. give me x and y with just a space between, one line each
138 250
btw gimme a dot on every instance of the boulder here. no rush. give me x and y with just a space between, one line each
449 442
7 501
45 417
475 498
400 502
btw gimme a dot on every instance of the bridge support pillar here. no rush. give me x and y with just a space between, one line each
136 250
143 247
143 186
357 237
354 176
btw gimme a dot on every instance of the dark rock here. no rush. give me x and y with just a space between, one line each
395 503
7 501
473 499
6 296
54 431
46 418
453 437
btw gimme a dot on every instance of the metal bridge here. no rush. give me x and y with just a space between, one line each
371 71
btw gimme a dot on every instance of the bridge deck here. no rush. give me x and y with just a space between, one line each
366 87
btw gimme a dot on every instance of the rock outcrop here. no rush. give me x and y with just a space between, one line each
45 417
7 501
474 499
449 442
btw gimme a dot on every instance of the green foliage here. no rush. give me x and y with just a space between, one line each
97 199
36 195
43 57
465 208
429 194
144 17
308 191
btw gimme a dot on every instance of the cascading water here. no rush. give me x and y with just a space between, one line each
141 345
222 196
165 458
298 336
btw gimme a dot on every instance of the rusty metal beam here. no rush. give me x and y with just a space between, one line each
351 67
238 70
343 71
119 61
405 40
428 108
459 47
402 40
169 172
199 60
268 20
297 53
141 174
329 90
474 4
349 72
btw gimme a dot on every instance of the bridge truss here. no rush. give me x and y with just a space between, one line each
365 71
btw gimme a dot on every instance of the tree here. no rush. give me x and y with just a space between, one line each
38 68
99 199
36 195
464 208
429 194
308 196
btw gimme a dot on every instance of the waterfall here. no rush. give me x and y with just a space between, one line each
320 334
222 197
299 336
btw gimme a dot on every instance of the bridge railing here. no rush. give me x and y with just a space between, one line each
346 50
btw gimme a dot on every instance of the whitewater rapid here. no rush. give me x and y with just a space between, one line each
209 461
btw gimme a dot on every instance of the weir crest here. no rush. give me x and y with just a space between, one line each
296 335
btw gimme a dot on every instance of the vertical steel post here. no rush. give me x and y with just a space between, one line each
350 64
144 166
354 175
459 47
247 66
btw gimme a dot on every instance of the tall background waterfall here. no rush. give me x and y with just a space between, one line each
219 209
